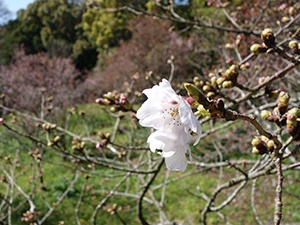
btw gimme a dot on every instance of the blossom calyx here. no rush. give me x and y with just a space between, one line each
268 38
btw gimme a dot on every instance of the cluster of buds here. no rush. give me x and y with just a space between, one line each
262 145
49 100
55 141
117 102
268 39
284 117
121 154
278 113
28 217
46 126
104 140
36 154
78 145
295 47
114 208
223 79
209 88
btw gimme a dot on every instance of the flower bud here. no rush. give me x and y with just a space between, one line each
227 84
259 145
220 80
255 141
283 102
265 114
292 122
271 145
293 45
196 79
213 81
207 88
56 139
210 94
255 151
232 73
109 95
295 112
258 48
268 38
114 109
103 101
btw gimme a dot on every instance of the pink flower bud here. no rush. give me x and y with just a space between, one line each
122 99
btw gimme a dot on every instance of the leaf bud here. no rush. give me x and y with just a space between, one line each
202 111
192 90
268 38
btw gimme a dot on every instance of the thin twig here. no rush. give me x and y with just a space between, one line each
107 197
61 198
146 188
256 217
278 198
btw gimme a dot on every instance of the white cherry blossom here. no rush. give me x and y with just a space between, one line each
172 117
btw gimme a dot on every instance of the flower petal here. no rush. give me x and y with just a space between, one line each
177 161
